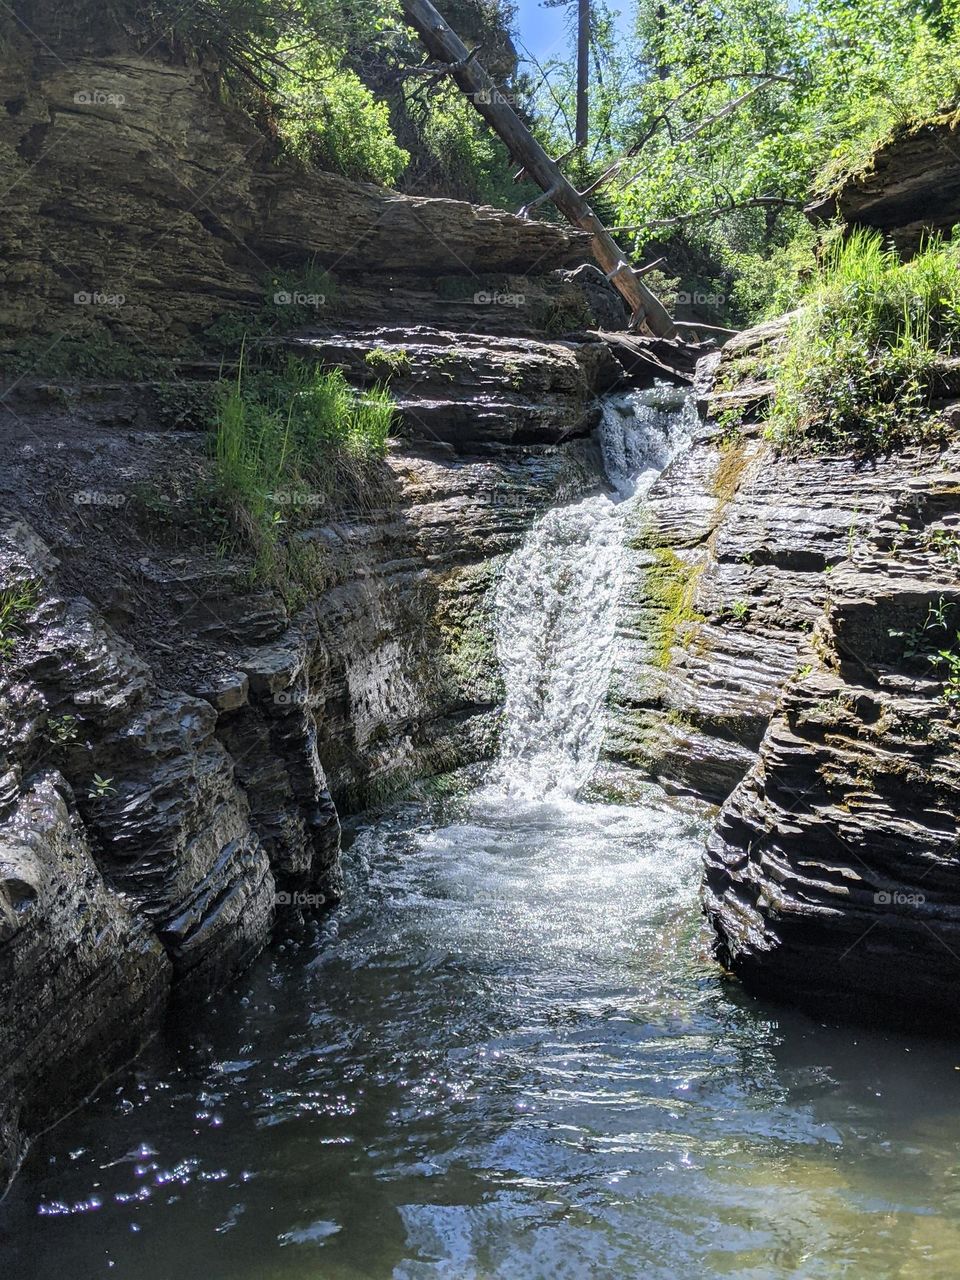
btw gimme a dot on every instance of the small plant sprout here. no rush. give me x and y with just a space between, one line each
100 788
917 641
63 729
899 538
740 610
944 543
389 362
937 616
949 660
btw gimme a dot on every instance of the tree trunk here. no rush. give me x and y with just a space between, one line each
445 45
583 72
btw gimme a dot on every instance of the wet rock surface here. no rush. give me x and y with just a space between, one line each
206 735
832 874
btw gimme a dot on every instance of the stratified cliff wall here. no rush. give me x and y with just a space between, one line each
789 649
178 740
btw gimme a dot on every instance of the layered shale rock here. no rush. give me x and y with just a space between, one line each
85 977
790 642
197 734
181 738
910 188
730 563
140 207
832 875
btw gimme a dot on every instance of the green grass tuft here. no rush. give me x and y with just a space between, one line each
857 369
15 603
291 443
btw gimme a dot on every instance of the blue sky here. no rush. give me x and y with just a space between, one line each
543 30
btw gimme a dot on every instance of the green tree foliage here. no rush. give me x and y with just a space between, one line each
724 116
329 118
341 85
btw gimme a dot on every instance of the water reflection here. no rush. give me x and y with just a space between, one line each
507 1056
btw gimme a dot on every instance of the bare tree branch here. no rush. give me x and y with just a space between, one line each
663 118
753 202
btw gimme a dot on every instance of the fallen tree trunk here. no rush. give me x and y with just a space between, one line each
643 359
445 45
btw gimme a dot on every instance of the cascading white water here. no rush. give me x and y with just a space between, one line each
556 605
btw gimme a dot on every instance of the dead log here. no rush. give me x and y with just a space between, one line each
645 360
443 44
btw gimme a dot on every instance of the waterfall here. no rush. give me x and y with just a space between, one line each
556 605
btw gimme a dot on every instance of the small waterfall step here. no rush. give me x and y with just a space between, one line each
557 602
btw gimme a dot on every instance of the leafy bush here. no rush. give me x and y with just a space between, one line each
329 118
768 284
857 367
460 156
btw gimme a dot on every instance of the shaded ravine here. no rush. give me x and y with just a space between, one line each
506 1054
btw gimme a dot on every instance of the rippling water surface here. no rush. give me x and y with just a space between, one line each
506 1056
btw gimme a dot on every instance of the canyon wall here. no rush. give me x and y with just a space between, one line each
786 639
180 739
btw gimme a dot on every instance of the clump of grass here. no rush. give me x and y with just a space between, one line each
388 362
289 443
856 371
15 602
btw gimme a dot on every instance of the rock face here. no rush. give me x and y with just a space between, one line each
178 744
789 643
120 226
832 875
730 564
179 741
85 977
911 187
